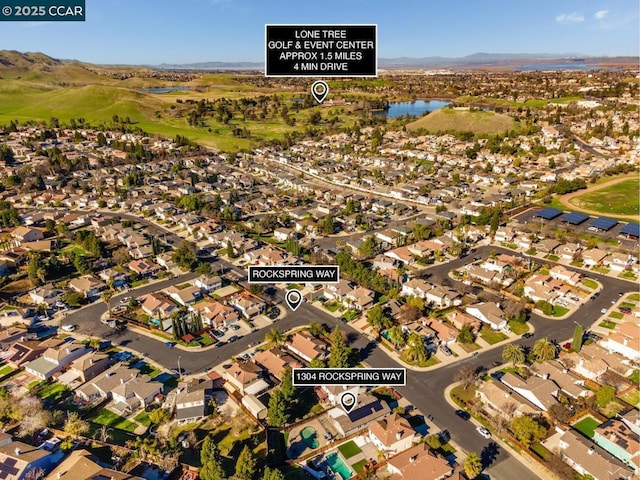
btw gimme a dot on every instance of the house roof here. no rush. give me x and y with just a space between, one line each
276 360
592 458
306 344
81 465
420 463
391 429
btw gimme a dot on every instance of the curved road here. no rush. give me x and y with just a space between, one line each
424 389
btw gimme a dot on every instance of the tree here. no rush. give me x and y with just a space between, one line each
106 298
465 335
604 395
32 415
185 255
328 225
397 336
274 337
545 307
287 387
472 465
272 474
73 299
369 247
544 349
527 430
277 415
159 416
513 353
75 426
433 441
230 252
210 459
416 349
378 320
246 464
578 334
466 376
339 352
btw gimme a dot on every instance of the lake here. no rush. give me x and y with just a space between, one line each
417 108
165 89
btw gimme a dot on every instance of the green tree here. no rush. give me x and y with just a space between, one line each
544 349
287 387
397 336
185 255
339 354
369 247
277 412
246 467
433 441
159 416
75 426
272 474
378 320
210 459
545 307
528 430
328 225
472 465
274 337
74 299
230 252
513 353
106 298
578 334
604 395
416 348
465 335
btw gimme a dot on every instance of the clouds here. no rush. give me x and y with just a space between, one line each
601 14
569 18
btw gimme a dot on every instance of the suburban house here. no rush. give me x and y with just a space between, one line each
360 298
117 278
46 295
11 335
307 347
593 257
459 318
86 367
26 234
443 297
392 434
208 283
27 350
498 400
586 458
184 296
55 359
624 340
217 313
157 305
539 391
275 360
444 332
144 268
489 313
87 285
565 275
82 465
419 463
416 287
337 291
368 410
245 377
620 441
248 305
190 400
19 461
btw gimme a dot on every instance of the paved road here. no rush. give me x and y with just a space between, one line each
424 389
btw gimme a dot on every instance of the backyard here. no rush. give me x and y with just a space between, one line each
110 419
586 426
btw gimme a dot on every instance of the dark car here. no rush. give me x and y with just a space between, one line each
527 335
463 415
233 338
169 344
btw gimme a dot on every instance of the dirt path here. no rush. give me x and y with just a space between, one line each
566 200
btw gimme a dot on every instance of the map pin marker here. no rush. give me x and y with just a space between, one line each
319 90
293 299
348 401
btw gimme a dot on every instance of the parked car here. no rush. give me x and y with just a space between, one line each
527 335
626 310
68 328
463 415
484 432
446 350
233 338
169 344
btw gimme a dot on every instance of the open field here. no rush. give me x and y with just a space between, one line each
619 198
481 122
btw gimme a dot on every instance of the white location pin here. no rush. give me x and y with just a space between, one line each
293 298
319 90
348 400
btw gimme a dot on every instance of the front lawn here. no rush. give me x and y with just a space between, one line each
518 328
635 377
592 284
586 426
349 449
52 392
559 311
432 360
110 419
332 306
461 395
607 324
143 418
491 336
634 297
616 315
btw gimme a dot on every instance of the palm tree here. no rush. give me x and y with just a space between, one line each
472 465
274 337
416 349
106 298
544 349
397 336
513 353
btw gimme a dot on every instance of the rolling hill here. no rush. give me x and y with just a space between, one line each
464 121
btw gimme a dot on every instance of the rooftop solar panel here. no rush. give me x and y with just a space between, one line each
574 218
604 223
549 213
632 229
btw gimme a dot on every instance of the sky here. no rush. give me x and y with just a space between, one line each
151 32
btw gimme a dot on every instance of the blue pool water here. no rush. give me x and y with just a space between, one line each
338 466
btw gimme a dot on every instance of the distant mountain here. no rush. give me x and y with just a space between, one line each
210 66
478 58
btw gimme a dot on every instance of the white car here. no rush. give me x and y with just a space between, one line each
603 311
484 432
68 328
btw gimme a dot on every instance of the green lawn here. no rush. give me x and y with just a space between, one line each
143 418
110 419
460 394
635 377
491 336
470 347
632 398
616 315
559 311
634 297
432 360
53 392
359 466
627 305
541 451
613 200
349 449
5 370
518 328
332 306
607 324
592 284
139 283
586 426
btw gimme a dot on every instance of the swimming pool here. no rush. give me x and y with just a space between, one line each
338 466
309 436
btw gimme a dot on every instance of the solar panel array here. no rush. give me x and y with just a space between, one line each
632 229
574 218
603 223
549 213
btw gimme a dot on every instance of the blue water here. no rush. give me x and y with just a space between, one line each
338 466
559 66
416 108
165 89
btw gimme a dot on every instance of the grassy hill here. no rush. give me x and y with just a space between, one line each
464 121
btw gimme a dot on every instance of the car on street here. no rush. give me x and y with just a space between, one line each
527 335
603 311
125 299
68 328
497 363
484 432
169 344
232 338
463 415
